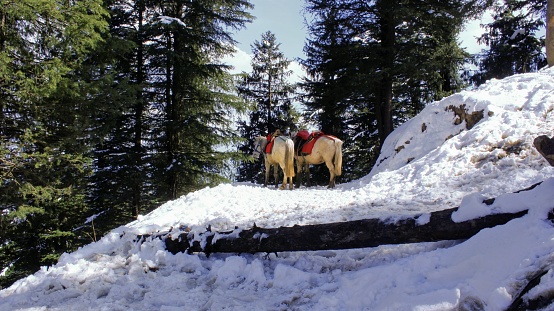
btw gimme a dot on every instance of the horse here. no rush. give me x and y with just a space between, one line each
327 149
282 154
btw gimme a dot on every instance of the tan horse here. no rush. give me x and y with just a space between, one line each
282 155
328 150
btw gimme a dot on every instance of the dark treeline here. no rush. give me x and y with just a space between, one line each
110 108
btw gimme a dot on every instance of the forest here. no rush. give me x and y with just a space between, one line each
111 108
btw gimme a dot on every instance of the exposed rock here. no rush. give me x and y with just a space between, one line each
545 146
470 119
471 304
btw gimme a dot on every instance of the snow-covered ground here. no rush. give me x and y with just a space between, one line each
427 164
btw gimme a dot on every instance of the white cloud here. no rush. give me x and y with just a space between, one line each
297 72
472 31
240 60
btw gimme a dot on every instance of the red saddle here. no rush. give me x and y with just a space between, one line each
269 145
309 140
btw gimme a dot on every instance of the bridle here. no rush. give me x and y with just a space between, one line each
258 149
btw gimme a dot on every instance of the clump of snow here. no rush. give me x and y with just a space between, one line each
433 162
168 20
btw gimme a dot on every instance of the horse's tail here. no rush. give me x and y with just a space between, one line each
337 161
289 158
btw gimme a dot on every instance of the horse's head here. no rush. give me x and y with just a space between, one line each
259 145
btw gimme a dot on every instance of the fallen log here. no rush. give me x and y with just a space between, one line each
341 235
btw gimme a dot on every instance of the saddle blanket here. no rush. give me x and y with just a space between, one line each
270 142
309 140
269 145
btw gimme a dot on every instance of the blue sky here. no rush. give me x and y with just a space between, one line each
284 19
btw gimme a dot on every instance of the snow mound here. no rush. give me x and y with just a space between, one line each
501 116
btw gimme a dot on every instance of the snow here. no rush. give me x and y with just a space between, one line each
421 169
168 20
517 32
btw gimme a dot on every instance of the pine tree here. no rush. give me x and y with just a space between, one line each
431 56
119 189
334 88
175 101
195 94
144 109
378 64
514 46
271 95
328 65
45 129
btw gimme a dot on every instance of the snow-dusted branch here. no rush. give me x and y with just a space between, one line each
167 20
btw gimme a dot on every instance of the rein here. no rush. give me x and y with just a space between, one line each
258 148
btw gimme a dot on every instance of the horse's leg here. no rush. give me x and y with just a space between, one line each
298 172
286 179
284 184
331 168
291 183
267 168
309 176
276 174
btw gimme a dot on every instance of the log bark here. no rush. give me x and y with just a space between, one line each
543 300
341 235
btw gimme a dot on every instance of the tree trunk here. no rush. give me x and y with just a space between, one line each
341 235
388 40
550 32
136 181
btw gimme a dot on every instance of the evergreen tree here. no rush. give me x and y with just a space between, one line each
119 189
329 65
45 129
333 89
144 109
513 44
271 95
166 140
382 61
194 92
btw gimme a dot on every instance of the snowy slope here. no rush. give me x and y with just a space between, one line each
435 161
